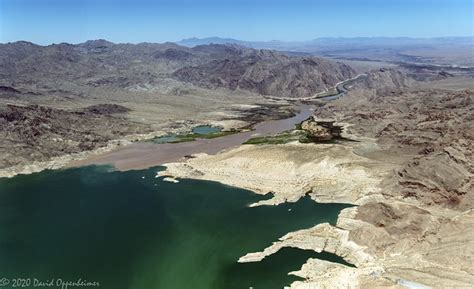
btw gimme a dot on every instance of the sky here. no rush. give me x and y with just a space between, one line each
75 21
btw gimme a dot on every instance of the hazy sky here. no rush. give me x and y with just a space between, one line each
54 21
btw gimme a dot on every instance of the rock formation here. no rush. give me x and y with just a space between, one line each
321 130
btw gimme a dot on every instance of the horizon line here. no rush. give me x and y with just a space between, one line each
241 40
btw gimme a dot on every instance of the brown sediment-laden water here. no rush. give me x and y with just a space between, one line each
147 154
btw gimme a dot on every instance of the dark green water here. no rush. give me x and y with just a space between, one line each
128 232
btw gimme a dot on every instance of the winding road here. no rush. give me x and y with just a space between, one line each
340 88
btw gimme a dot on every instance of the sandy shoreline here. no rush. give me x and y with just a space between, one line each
288 171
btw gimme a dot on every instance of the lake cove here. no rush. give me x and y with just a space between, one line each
132 230
206 129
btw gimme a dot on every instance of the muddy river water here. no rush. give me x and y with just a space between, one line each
142 155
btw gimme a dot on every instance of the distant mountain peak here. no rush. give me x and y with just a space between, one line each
194 41
97 43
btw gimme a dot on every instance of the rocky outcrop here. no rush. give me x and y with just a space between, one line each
322 237
321 130
385 81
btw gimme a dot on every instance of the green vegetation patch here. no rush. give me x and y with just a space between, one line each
283 138
177 138
297 134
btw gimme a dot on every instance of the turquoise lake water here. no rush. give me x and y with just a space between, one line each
206 129
202 130
126 231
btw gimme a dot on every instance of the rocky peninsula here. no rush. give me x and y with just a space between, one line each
407 170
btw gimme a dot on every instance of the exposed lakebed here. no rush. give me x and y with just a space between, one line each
131 230
171 148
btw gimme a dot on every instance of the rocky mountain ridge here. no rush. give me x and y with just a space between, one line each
79 70
37 133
